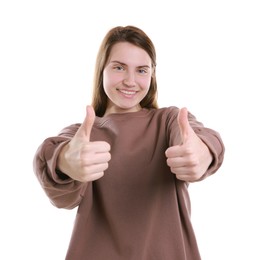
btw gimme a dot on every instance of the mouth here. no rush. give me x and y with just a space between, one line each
127 92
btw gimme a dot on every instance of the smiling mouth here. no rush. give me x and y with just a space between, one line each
127 92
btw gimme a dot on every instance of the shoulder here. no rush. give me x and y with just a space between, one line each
69 131
165 112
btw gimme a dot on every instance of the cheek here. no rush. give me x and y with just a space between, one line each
110 80
145 83
105 79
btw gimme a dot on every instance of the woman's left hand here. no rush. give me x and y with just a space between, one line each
191 159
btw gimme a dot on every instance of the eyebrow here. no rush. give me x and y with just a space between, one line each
116 61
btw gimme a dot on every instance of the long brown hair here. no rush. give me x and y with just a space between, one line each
134 36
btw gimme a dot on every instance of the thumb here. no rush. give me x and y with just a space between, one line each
86 126
184 124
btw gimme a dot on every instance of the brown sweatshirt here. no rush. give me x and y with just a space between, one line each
138 210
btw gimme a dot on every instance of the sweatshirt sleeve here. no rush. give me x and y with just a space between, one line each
62 191
215 144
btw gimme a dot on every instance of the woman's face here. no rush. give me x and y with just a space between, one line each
126 78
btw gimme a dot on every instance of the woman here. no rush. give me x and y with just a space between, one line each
127 167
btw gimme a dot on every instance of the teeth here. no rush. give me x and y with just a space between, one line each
127 92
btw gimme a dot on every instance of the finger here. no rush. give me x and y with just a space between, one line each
175 162
86 127
184 124
174 151
93 177
97 147
95 168
89 121
98 158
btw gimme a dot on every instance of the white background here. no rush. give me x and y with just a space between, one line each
208 60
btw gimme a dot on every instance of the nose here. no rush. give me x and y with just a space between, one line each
129 80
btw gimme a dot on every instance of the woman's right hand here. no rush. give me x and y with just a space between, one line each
81 159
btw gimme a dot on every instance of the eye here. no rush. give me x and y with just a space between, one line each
118 67
143 70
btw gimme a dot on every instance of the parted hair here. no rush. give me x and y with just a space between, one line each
136 37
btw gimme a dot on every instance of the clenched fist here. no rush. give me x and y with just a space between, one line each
81 159
191 158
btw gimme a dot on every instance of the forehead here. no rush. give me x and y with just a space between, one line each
129 53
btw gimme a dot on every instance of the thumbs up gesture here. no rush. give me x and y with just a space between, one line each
191 158
81 159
